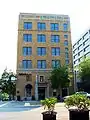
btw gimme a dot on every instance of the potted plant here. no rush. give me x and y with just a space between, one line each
49 104
78 106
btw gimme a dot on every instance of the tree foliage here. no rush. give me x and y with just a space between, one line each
7 83
60 77
84 73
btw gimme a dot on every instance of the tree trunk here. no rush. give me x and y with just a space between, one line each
60 91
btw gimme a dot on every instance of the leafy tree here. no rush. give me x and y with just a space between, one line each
84 74
7 83
60 78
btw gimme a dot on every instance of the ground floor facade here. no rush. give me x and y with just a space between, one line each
35 85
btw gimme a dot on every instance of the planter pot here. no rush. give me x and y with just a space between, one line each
49 115
78 115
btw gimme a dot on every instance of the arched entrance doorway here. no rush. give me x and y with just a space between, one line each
28 88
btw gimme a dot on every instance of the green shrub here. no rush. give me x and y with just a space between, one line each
49 103
81 102
4 96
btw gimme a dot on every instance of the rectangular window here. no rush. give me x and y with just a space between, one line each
41 64
41 26
65 27
41 51
41 38
54 26
66 55
67 62
55 38
41 79
26 64
56 51
27 37
66 43
27 51
66 50
55 63
66 36
27 25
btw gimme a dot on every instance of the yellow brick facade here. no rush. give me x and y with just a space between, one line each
21 73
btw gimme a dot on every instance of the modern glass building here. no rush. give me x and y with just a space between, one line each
81 50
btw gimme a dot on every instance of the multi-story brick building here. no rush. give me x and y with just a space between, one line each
44 41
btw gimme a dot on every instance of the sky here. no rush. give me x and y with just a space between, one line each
78 11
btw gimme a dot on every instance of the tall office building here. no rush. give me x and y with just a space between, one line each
44 42
81 50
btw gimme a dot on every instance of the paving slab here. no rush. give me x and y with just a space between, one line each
35 114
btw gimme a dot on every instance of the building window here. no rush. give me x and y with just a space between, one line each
41 38
55 51
29 77
55 63
74 62
86 48
66 55
55 38
54 26
65 26
27 25
66 43
87 55
66 36
85 35
66 50
26 64
80 47
41 79
67 62
79 60
41 51
27 37
41 64
79 54
74 56
41 26
27 51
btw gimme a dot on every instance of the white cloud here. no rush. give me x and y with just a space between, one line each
78 11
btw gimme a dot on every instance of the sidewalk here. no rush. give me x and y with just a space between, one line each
62 113
35 114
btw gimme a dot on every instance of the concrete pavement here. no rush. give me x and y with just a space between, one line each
35 114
